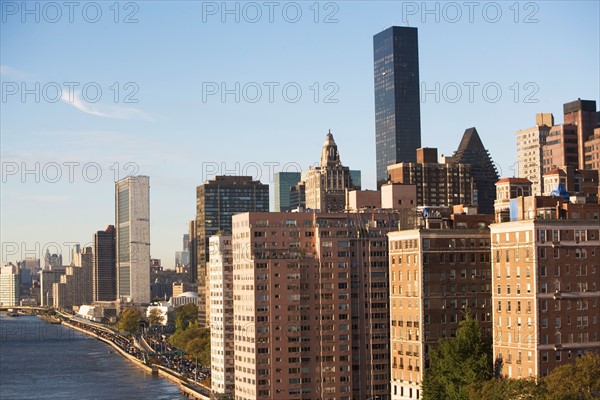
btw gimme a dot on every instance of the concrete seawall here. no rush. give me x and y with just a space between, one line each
162 371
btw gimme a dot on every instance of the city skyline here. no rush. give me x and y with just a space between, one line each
178 145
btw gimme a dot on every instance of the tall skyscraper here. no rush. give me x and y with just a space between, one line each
132 223
471 151
216 202
104 268
397 100
283 182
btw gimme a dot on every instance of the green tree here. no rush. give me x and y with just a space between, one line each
458 362
155 317
130 321
580 380
506 389
185 315
194 341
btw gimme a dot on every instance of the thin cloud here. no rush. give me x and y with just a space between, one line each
10 72
99 110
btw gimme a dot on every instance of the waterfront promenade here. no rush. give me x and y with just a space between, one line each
177 369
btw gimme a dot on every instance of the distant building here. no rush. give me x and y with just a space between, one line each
582 114
298 196
326 185
592 151
48 278
52 260
283 182
185 298
192 249
436 184
221 316
397 99
163 308
529 151
84 259
104 266
182 258
363 200
9 285
216 202
560 148
546 285
508 189
132 211
471 151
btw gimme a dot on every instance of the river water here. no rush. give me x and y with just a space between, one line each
43 361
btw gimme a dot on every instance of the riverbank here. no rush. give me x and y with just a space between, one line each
156 370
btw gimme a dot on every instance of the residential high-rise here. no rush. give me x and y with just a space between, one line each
104 266
283 182
471 151
311 305
216 202
529 151
560 148
437 273
397 99
221 315
326 185
582 114
9 285
545 285
437 184
592 151
132 224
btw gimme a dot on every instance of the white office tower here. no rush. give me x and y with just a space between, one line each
132 222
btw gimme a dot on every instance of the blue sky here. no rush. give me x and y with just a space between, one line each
161 68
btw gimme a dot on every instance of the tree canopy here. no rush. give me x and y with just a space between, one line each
130 320
185 315
579 380
195 341
458 362
155 317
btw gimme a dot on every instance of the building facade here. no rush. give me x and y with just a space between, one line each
397 99
582 114
529 151
436 184
437 273
9 285
132 226
216 202
546 285
311 305
221 315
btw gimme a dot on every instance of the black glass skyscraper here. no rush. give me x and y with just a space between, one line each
397 101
